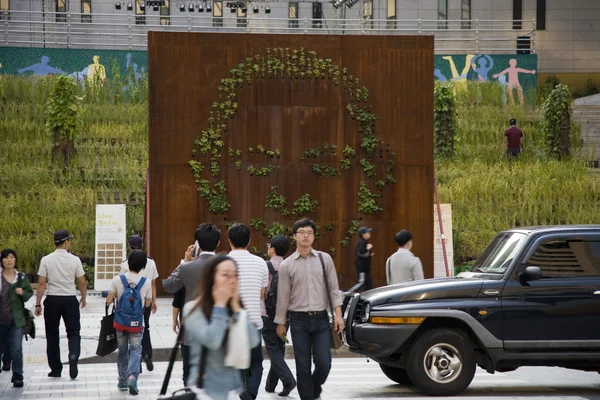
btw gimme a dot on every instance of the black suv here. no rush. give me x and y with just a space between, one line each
531 299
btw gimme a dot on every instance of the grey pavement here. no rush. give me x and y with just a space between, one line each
350 378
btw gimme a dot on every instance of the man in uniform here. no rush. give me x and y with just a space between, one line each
150 272
58 272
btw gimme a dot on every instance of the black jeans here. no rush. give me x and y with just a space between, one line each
279 370
185 357
146 343
67 308
311 335
254 374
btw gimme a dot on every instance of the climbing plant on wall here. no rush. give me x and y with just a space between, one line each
289 64
556 122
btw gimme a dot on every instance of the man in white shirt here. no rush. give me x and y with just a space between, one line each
253 276
403 266
150 272
130 343
57 272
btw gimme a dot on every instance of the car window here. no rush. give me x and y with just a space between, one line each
560 258
497 257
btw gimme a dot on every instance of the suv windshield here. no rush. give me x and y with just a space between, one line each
500 252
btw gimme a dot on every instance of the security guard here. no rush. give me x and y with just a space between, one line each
150 272
58 271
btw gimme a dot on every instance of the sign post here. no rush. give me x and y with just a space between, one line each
110 243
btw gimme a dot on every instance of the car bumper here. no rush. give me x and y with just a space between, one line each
379 340
373 340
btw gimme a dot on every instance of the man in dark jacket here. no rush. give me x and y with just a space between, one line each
363 257
189 272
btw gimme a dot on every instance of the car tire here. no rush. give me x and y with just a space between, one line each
396 374
441 362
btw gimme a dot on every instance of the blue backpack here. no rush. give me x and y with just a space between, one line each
129 316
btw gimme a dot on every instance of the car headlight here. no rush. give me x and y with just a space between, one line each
366 313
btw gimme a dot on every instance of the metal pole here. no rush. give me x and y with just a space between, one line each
129 28
533 36
68 30
477 36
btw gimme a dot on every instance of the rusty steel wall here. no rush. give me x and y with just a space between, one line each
292 115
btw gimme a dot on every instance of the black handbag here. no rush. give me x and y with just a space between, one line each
185 393
29 328
107 341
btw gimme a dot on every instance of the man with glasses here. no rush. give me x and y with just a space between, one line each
302 291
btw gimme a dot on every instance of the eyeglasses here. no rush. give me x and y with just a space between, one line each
305 233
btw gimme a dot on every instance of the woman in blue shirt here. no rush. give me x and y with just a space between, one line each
206 322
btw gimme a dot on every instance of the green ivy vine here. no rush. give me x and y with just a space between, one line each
556 122
304 205
353 230
444 119
276 201
367 200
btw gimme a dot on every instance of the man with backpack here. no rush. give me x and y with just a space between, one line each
133 293
279 371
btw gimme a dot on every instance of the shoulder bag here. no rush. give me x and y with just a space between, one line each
336 338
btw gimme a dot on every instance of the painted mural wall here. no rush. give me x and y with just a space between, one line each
516 72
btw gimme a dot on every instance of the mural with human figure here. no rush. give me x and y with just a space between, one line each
517 73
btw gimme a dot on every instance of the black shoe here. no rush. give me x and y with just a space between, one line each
246 396
5 366
148 361
73 371
287 390
269 389
17 381
54 374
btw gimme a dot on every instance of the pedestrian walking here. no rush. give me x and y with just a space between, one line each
58 271
279 370
190 271
303 292
133 292
403 265
253 281
210 320
150 272
363 257
15 290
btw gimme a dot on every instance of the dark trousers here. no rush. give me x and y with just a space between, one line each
311 335
254 374
146 343
5 351
279 370
368 285
185 357
67 308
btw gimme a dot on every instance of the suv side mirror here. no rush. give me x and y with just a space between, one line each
530 274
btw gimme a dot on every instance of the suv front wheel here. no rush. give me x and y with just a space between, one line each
441 362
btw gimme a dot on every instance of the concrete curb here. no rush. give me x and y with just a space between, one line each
163 354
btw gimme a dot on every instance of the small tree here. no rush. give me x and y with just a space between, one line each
444 120
64 109
556 122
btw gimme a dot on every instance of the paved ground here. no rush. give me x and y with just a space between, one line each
351 378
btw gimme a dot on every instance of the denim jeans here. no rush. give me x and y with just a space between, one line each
311 334
276 350
130 355
14 337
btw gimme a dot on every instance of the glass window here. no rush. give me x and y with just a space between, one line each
4 9
218 13
165 13
61 8
465 14
317 15
368 13
86 11
391 14
293 14
560 258
442 14
242 22
540 17
517 14
140 13
497 257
